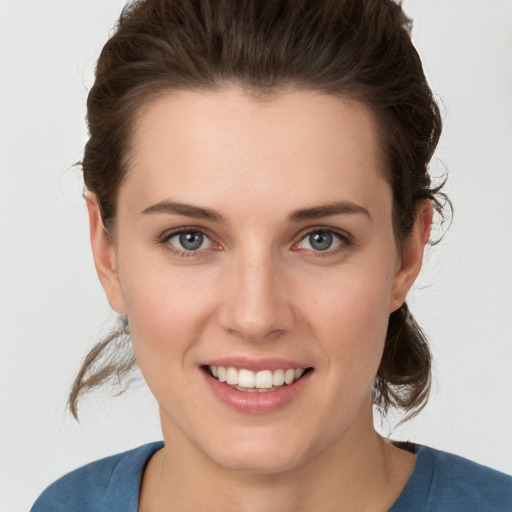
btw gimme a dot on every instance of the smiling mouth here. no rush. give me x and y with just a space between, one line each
263 381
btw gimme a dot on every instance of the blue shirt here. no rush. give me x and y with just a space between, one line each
440 482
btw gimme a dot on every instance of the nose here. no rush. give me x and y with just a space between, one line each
257 303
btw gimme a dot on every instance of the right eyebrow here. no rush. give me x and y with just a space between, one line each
186 210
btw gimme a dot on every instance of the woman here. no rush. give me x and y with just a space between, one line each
259 203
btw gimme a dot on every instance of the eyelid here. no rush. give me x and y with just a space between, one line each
166 235
329 229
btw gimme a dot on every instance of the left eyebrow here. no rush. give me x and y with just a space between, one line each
328 210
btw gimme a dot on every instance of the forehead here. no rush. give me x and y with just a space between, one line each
297 144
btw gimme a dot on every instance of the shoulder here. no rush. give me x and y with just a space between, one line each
108 484
444 482
483 488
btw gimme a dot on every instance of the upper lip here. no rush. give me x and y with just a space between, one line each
255 364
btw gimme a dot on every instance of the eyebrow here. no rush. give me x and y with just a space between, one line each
328 210
316 212
187 210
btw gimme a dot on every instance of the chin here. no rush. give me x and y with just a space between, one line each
255 463
260 455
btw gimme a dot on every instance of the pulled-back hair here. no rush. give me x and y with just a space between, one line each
357 49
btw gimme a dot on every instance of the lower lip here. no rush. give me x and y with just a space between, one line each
256 402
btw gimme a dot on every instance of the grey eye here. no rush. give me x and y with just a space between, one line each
320 240
191 241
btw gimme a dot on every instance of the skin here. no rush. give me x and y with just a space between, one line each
258 288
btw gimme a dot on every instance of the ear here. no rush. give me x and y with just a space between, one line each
103 252
412 256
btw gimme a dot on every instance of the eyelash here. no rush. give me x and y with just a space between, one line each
344 239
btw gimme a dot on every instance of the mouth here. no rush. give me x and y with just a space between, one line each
263 381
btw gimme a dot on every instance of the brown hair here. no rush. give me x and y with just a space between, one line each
358 49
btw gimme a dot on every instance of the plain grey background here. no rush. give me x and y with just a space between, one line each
52 307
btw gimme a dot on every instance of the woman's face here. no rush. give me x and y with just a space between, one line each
256 236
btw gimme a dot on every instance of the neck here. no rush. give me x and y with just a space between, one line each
362 471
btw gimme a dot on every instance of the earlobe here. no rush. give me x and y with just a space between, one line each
412 256
104 255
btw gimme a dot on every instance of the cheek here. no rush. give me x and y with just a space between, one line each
167 310
351 317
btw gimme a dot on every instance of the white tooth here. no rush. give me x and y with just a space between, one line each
246 378
222 373
246 390
298 373
214 370
278 377
264 379
232 376
289 375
